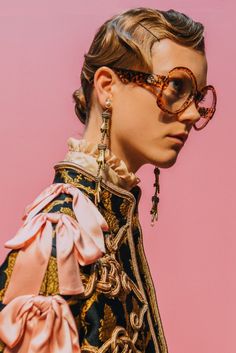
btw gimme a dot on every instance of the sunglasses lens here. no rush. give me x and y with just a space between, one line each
177 91
205 104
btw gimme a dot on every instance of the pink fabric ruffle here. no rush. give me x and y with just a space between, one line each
38 324
79 241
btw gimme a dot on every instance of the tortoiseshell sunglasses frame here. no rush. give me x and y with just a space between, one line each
150 80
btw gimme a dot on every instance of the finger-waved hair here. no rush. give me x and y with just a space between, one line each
126 40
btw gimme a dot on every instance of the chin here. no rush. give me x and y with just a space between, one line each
165 162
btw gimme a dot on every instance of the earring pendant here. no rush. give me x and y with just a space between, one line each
155 197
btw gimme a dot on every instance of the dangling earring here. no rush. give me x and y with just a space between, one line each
102 146
155 198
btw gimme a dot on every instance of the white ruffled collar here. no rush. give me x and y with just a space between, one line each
84 153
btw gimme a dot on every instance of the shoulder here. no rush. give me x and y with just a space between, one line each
61 230
62 223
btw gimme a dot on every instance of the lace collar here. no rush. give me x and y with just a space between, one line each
84 153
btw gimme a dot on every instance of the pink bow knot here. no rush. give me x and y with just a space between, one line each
38 324
80 241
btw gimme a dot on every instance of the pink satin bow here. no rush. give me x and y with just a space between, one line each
38 324
78 241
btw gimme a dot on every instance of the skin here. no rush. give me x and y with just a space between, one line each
139 128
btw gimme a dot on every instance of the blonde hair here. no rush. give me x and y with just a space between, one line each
126 40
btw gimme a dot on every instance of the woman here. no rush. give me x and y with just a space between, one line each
76 278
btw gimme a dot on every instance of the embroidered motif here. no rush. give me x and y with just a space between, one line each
88 348
54 203
50 284
85 308
75 181
124 207
120 342
108 324
8 271
108 212
135 221
68 211
112 221
120 276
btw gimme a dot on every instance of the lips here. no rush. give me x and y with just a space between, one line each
181 136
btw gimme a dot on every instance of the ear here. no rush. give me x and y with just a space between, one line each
104 80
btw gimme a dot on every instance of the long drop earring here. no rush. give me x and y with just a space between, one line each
102 147
155 197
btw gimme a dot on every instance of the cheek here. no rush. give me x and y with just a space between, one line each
136 112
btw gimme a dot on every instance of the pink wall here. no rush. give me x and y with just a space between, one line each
191 251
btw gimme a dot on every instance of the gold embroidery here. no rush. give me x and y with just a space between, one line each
120 342
50 284
135 221
54 203
75 181
131 265
114 282
112 279
112 221
151 292
88 348
86 306
108 213
68 211
108 324
124 207
138 267
8 271
106 200
94 278
114 242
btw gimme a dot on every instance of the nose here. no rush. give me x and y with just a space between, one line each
190 114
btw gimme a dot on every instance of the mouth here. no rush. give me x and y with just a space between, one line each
175 140
180 138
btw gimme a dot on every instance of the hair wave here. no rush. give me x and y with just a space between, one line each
122 42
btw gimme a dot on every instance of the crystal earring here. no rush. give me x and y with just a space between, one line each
103 146
155 197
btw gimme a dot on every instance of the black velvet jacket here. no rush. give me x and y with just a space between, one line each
118 312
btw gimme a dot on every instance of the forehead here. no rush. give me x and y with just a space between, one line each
167 54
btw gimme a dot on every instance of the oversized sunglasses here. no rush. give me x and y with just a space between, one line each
175 91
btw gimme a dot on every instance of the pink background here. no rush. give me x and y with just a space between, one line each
191 251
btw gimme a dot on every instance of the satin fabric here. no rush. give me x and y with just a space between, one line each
40 325
78 241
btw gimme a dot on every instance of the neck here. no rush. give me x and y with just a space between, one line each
93 134
85 153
